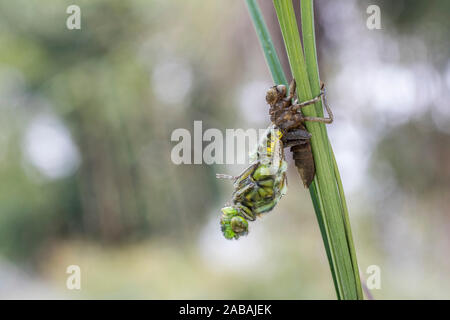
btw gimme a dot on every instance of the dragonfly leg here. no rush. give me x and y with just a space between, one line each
322 95
292 87
297 105
328 119
239 195
225 176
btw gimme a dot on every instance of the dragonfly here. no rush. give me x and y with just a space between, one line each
259 188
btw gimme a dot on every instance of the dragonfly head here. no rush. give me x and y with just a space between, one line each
232 223
275 94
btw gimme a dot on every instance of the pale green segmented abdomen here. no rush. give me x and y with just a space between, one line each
258 188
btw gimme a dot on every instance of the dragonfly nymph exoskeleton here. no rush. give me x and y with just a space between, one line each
261 185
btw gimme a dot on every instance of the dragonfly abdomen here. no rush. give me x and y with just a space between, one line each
304 161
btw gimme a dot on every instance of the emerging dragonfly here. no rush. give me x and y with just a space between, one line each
259 187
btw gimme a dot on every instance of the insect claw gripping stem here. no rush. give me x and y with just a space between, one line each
322 95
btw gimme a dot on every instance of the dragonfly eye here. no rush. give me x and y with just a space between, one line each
239 225
232 224
281 89
272 96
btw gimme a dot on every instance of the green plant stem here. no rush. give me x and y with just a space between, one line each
335 225
309 44
279 77
270 54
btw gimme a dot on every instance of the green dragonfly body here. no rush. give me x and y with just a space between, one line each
259 187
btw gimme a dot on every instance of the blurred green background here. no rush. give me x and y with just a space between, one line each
86 118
